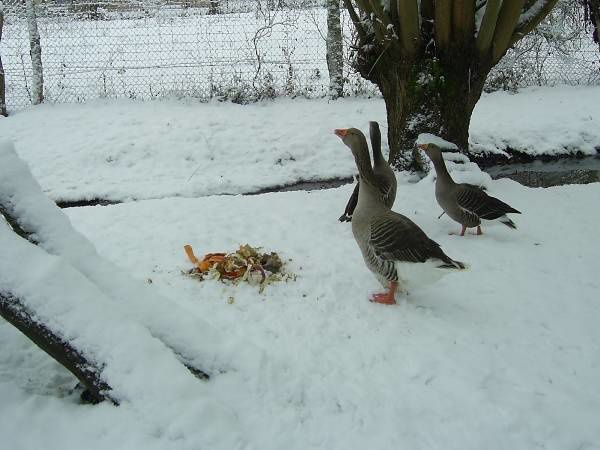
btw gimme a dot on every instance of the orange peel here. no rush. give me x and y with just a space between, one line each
208 260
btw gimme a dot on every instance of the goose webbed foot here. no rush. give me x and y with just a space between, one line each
478 232
462 231
386 298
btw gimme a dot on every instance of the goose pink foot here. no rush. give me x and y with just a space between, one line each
462 232
386 298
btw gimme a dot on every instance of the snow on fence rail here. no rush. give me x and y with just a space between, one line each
239 50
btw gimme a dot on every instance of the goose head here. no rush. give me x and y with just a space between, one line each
354 139
431 150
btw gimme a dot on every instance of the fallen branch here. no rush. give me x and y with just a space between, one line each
17 314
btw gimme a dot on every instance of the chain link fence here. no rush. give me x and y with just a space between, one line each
238 50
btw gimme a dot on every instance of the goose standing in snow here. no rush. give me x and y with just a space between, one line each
394 248
465 203
382 170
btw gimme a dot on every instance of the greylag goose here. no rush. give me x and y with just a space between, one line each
394 248
465 203
382 170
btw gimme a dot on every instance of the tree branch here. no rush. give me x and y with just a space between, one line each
443 14
362 34
488 26
382 20
408 16
507 21
533 19
463 20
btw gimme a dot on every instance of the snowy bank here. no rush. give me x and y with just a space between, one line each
505 355
119 150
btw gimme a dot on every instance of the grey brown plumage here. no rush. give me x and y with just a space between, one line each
382 170
465 203
394 248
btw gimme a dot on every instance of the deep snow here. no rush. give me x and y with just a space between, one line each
119 150
504 355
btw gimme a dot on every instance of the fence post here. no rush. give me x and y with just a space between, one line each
2 82
36 54
335 50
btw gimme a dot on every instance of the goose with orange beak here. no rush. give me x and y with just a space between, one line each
393 247
465 203
382 170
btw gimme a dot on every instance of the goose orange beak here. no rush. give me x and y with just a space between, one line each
341 132
422 146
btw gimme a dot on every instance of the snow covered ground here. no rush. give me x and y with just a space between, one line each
123 149
504 355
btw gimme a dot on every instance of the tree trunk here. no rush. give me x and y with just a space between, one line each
335 50
428 96
74 360
213 7
36 54
430 59
2 79
593 10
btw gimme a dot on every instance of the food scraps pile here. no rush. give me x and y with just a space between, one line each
246 264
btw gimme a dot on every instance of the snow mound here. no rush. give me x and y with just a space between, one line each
428 138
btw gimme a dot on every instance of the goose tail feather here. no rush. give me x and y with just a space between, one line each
509 223
452 264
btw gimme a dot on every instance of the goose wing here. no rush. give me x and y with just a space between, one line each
394 237
474 200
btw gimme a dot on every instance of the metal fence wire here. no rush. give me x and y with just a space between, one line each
239 50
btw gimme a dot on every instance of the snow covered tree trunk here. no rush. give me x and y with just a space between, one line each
36 54
41 334
424 99
2 79
335 55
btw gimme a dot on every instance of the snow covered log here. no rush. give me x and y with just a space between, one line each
197 344
13 310
75 322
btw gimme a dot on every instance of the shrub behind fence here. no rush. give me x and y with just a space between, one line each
239 50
